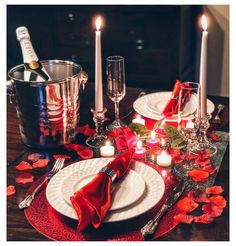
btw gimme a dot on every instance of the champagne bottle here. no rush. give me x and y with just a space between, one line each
34 71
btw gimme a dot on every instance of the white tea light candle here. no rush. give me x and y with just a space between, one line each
164 159
139 120
189 124
107 150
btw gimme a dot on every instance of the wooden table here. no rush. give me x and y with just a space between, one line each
19 229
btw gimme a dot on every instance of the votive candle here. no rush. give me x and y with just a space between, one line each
107 150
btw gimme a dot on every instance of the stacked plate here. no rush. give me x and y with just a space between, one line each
140 190
152 105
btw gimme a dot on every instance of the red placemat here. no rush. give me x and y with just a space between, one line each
60 228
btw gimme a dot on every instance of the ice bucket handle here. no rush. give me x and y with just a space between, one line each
83 78
10 91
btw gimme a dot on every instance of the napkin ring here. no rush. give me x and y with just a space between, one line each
109 171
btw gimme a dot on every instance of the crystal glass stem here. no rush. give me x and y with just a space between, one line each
117 111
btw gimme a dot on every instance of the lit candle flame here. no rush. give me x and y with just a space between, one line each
153 135
107 143
138 117
163 141
139 144
98 23
204 22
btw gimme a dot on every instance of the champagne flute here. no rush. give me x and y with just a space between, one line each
116 86
189 107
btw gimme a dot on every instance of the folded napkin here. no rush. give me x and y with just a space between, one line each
92 201
171 107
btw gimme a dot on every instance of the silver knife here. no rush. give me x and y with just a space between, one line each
149 229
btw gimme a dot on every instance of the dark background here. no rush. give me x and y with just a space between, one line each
160 43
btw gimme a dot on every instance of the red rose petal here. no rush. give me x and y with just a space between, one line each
186 205
203 154
34 157
210 169
198 175
86 153
205 219
198 197
155 150
11 190
214 136
202 162
41 163
216 190
75 147
219 201
184 218
212 210
57 156
24 178
23 165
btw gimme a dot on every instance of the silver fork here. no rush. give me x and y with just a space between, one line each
217 117
56 168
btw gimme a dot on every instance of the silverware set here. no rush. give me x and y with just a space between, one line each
56 168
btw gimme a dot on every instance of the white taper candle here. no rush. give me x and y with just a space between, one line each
98 68
203 68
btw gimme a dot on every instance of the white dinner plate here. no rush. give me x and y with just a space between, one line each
156 105
124 192
154 189
152 104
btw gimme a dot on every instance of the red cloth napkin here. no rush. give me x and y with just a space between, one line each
124 137
172 105
92 202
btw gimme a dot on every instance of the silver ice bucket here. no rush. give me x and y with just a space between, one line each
48 111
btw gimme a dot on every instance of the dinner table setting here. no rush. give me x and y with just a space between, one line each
107 162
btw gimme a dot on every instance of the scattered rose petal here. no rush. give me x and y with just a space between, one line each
34 157
198 175
177 156
11 190
212 210
214 136
203 154
23 166
86 153
184 218
198 196
24 178
205 219
186 205
41 163
210 169
202 162
155 150
57 156
75 147
216 190
218 200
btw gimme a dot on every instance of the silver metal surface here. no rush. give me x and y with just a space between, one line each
149 229
48 111
109 171
220 107
56 168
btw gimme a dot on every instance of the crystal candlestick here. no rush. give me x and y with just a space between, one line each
99 139
203 142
